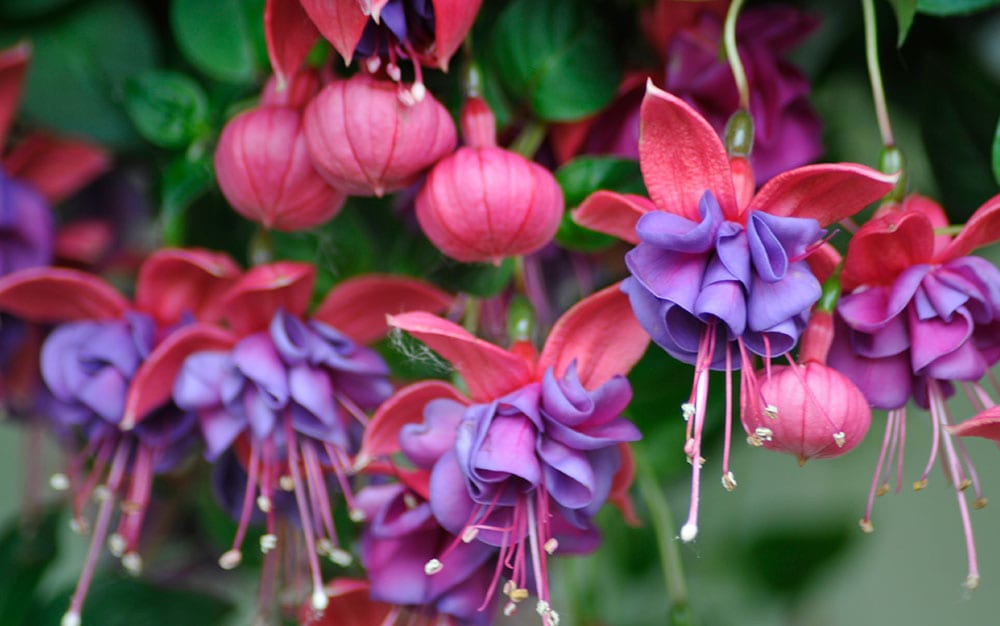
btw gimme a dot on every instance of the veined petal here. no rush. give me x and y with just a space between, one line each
826 192
173 282
681 157
290 35
381 437
452 21
252 301
153 382
986 425
48 294
613 213
358 306
488 370
600 334
57 168
341 22
885 247
982 229
13 67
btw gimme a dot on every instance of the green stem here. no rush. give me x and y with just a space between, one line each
261 247
875 73
729 40
470 320
527 143
952 230
670 557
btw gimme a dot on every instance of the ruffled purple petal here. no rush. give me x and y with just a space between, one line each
934 338
219 428
428 441
569 478
257 359
772 303
199 383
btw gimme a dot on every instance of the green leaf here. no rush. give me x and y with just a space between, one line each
954 7
29 9
169 109
996 154
221 37
557 57
482 280
184 181
905 10
25 555
583 176
81 60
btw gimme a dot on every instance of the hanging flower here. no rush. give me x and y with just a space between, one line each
921 315
719 272
524 462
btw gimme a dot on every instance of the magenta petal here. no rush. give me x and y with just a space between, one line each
986 425
613 213
569 478
885 247
681 157
965 363
600 333
450 499
290 35
934 338
886 383
427 442
981 229
47 294
508 449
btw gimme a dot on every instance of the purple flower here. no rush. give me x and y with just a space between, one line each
26 228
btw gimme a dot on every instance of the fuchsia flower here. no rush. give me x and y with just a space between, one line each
523 463
263 165
289 395
364 141
484 203
349 606
919 315
426 32
93 364
719 269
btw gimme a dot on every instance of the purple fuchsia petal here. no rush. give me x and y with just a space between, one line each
931 339
257 359
775 241
426 442
569 478
679 233
886 382
772 303
667 275
722 298
26 229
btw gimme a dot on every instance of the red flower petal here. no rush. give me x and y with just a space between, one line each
349 605
985 425
290 35
153 383
621 483
827 192
613 213
681 157
933 211
488 370
886 246
256 297
48 294
173 282
406 406
57 168
340 21
600 333
358 306
453 19
983 228
823 261
13 66
84 242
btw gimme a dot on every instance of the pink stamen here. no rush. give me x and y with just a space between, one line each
727 441
241 529
306 517
137 501
901 430
690 529
866 521
321 500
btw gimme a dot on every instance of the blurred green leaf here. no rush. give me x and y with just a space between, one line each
482 280
26 552
221 37
169 109
555 56
29 9
996 154
905 10
183 182
80 62
954 7
583 176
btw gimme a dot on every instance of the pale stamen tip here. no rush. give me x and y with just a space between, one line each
840 439
419 91
920 484
341 557
729 481
70 618
59 481
268 542
287 483
972 582
117 545
433 567
509 609
264 504
230 559
866 526
687 410
979 503
551 545
688 532
132 563
356 515
771 411
882 489
469 534
319 599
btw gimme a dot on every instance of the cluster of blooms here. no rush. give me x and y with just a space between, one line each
467 489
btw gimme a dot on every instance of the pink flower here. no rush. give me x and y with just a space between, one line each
720 271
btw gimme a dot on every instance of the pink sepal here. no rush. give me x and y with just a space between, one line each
488 370
453 19
176 281
621 483
613 213
601 334
50 295
681 157
827 192
886 246
290 35
84 242
823 261
256 297
985 425
406 406
982 229
153 383
358 306
349 603
14 63
56 167
341 22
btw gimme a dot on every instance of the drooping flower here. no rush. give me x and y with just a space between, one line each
720 273
290 395
921 315
524 462
92 365
364 141
485 203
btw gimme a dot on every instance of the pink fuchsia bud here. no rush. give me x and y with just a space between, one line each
365 141
484 204
264 170
810 411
